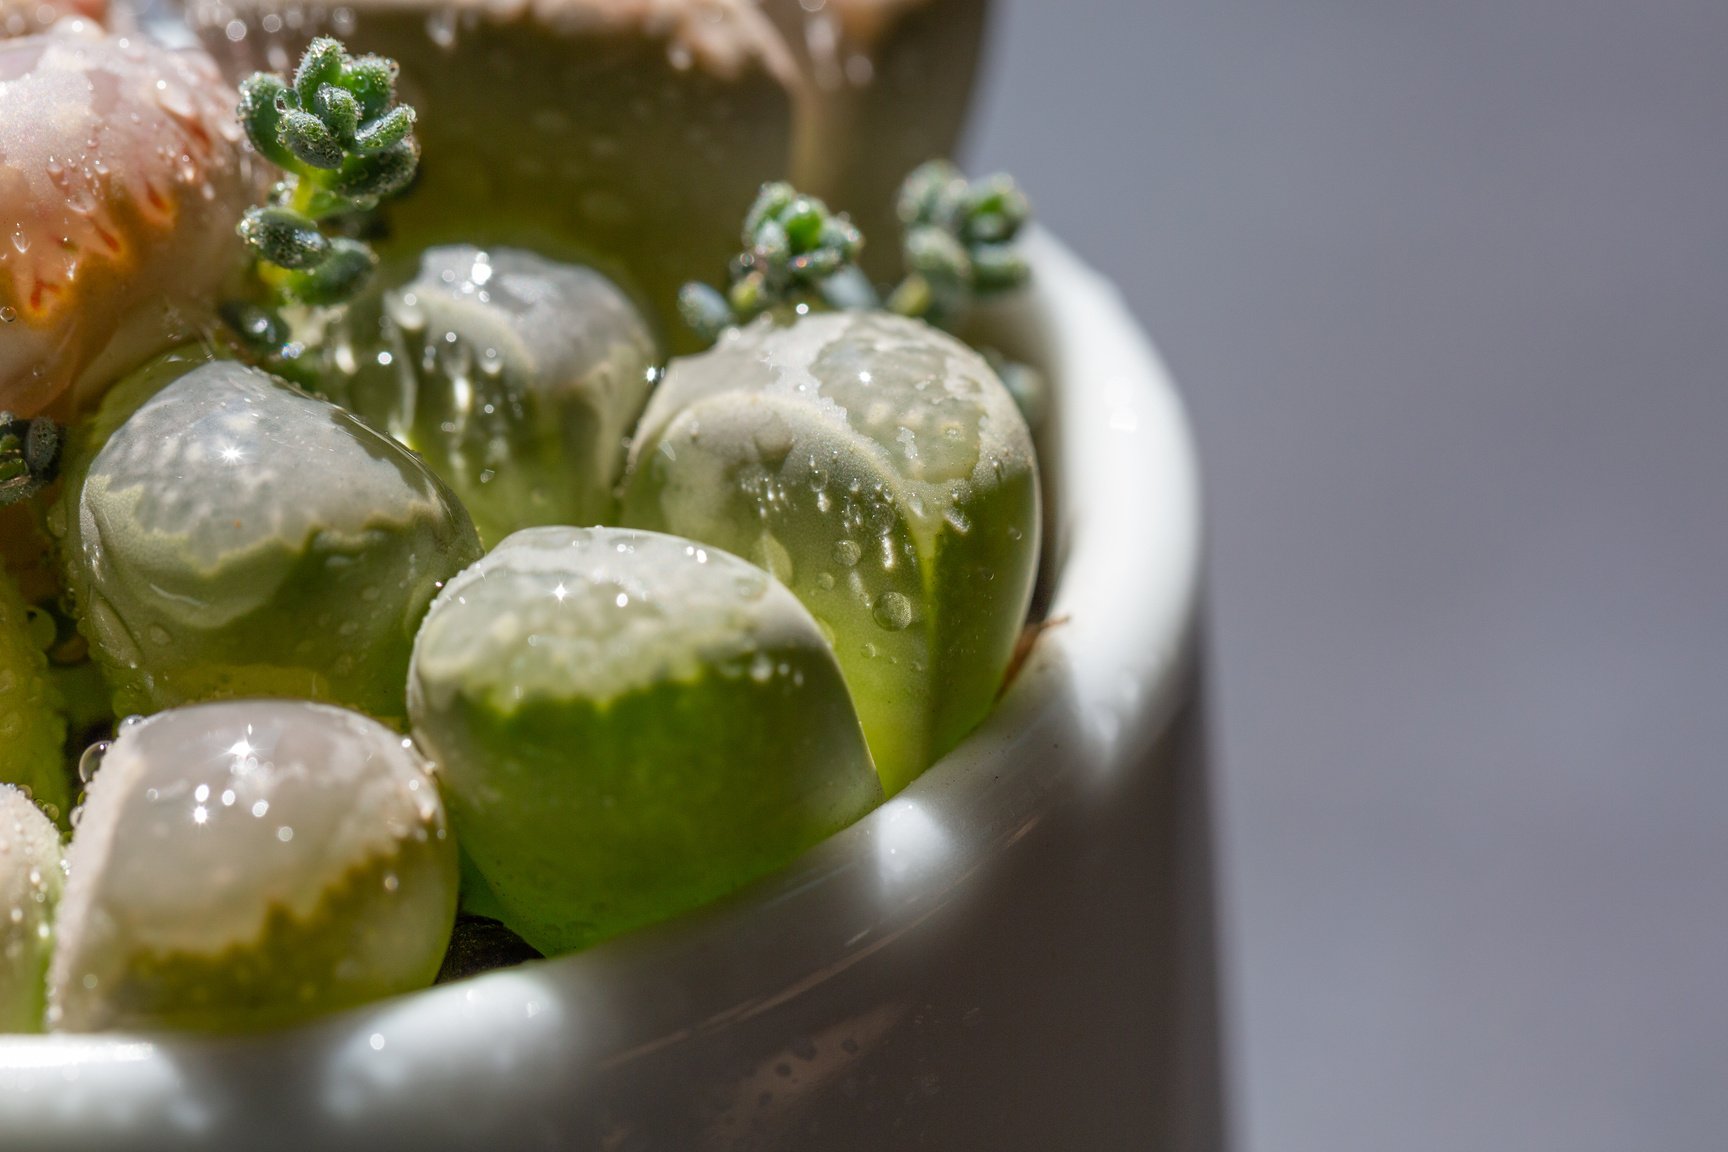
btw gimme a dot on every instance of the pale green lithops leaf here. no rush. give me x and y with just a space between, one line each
628 725
881 470
30 882
250 863
32 730
237 537
517 379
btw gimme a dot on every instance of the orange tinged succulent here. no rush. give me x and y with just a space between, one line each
122 172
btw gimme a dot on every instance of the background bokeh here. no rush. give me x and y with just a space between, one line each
1446 286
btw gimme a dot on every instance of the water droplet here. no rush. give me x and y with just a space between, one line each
390 882
284 833
847 553
91 760
892 611
7 313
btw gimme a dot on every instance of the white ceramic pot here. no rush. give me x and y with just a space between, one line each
981 963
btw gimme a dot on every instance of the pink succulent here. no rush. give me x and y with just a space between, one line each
122 173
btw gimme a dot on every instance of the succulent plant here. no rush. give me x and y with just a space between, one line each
251 863
880 470
32 731
236 537
516 378
958 241
121 178
796 253
30 883
345 144
628 725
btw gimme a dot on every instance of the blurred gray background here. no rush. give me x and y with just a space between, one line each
1446 286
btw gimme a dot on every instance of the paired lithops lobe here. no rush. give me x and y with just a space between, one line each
516 378
32 731
122 173
30 882
880 469
626 134
628 725
251 863
237 537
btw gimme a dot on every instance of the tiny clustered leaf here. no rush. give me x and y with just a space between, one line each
344 144
957 248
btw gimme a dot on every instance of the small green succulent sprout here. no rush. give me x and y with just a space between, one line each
29 456
628 725
247 864
345 144
516 378
237 537
958 241
796 254
32 730
30 883
878 468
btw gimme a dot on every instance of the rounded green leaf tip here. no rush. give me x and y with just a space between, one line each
880 470
251 864
629 725
197 581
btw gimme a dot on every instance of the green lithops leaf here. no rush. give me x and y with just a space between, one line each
248 864
516 378
628 725
30 883
236 537
881 470
32 730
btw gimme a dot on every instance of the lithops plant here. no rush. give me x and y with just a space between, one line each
237 537
880 469
516 378
32 731
122 173
628 725
30 882
251 863
626 134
